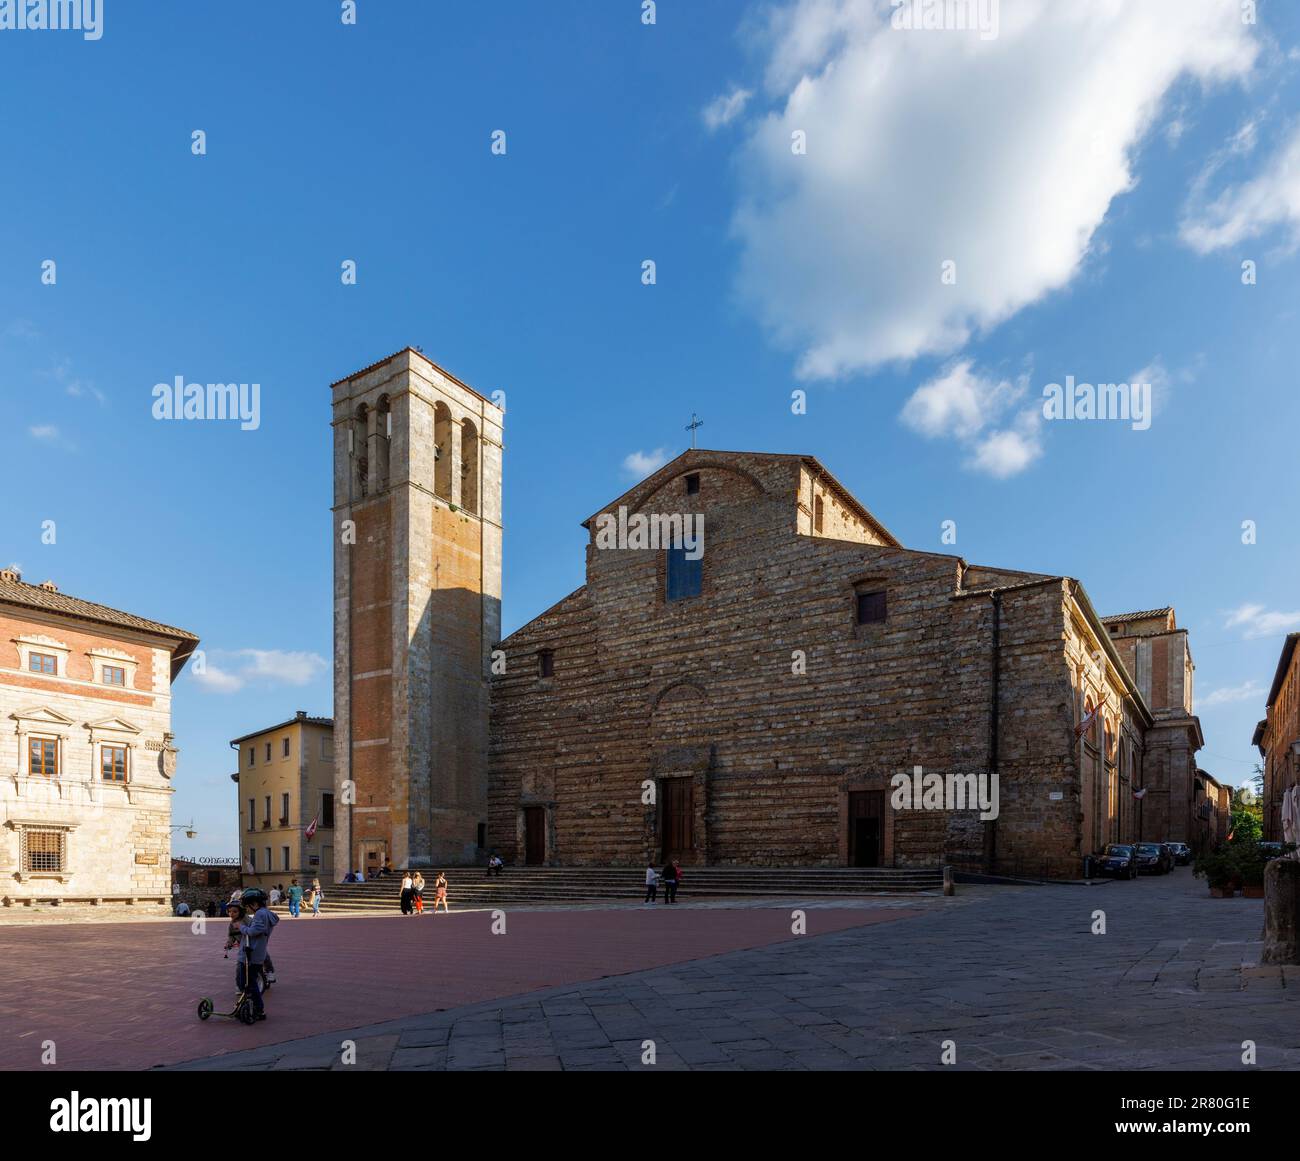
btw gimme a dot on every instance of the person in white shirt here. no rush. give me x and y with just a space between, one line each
275 896
651 883
408 891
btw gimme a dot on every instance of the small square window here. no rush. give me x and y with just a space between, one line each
44 850
114 675
693 484
546 663
43 663
871 607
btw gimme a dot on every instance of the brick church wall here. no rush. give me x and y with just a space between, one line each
645 690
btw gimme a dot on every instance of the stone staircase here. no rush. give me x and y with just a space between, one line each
470 888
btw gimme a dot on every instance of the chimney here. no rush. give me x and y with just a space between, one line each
300 714
49 586
10 574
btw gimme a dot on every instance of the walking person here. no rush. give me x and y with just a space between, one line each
417 893
295 898
440 885
677 879
408 890
316 897
670 882
651 883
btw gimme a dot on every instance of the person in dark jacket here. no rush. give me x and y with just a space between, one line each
669 877
255 932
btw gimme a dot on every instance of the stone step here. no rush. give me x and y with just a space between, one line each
472 888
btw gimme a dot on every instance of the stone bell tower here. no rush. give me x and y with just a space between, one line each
417 612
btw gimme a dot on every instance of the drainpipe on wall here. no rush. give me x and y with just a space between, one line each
991 827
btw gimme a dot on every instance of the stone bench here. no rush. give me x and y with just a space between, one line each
92 900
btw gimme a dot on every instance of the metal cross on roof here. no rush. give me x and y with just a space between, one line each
694 423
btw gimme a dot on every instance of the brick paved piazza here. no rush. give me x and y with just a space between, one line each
1013 975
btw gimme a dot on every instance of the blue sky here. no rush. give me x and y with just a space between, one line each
1097 179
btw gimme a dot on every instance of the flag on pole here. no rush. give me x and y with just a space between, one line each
311 830
1086 721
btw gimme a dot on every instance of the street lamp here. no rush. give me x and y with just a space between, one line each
188 828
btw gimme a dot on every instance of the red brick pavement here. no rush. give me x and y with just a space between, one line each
124 996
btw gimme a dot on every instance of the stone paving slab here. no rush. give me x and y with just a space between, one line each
125 995
1015 982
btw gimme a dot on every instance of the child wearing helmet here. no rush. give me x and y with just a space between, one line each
256 934
235 913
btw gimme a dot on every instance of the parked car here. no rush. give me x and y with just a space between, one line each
1117 862
1182 853
1154 859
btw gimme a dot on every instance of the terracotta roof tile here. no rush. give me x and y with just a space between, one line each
48 600
436 366
1140 616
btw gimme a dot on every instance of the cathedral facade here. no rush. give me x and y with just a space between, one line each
759 705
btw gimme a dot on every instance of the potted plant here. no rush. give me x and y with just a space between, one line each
1217 868
1250 860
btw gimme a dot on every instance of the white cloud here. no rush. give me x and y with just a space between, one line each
1248 691
79 389
217 680
1248 209
1001 155
1009 451
640 464
957 402
269 666
1257 621
725 108
45 431
283 668
961 404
